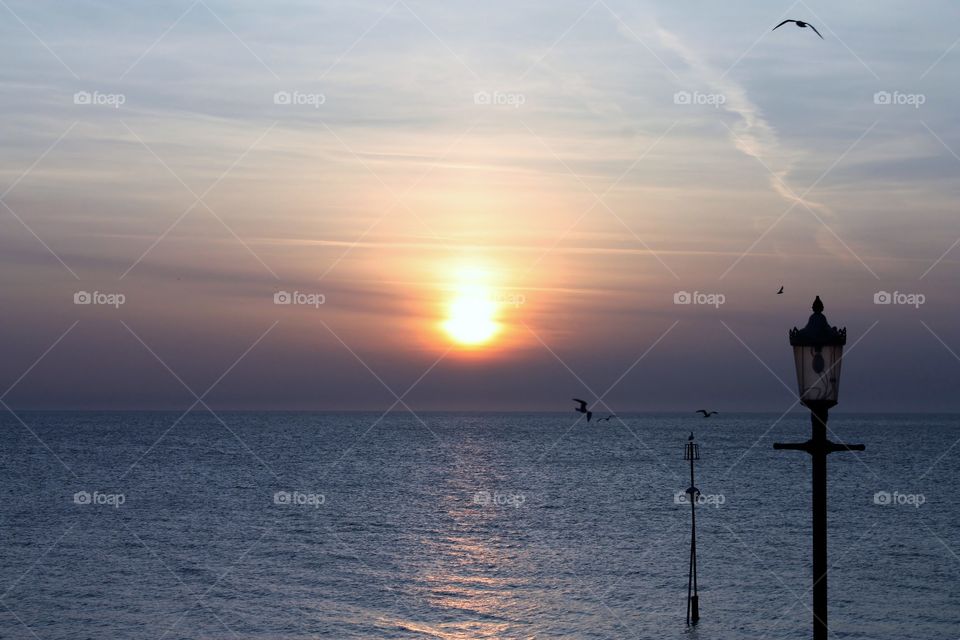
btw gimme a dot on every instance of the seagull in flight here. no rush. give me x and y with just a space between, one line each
583 408
706 414
607 418
780 293
799 23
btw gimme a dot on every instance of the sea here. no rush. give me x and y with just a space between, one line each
468 525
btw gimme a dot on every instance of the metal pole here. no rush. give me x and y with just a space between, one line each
819 447
693 598
689 585
819 455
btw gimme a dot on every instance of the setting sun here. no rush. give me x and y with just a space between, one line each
471 313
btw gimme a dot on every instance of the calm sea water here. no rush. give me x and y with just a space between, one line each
275 525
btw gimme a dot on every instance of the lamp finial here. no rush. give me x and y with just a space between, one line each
818 305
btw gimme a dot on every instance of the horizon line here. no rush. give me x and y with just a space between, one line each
471 411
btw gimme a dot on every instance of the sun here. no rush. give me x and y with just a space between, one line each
471 319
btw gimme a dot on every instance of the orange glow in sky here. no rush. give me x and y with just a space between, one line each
471 319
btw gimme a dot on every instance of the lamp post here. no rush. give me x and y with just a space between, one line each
817 350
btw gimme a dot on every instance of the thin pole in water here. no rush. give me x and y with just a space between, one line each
691 452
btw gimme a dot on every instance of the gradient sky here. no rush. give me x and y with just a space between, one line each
584 191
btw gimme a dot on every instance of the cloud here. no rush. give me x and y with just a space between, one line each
751 133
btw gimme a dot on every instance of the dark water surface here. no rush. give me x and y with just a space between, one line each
283 525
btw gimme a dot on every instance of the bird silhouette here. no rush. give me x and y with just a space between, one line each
706 414
780 293
607 418
690 439
799 23
583 408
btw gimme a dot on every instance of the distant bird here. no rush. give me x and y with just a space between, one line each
607 418
691 437
583 408
799 23
780 293
706 414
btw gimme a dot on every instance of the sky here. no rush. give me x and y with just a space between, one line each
475 206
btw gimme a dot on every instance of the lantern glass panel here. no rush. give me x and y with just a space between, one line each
818 372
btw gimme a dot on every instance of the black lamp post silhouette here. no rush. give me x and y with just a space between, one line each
817 350
691 452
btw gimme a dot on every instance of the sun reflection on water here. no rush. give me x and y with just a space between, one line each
473 576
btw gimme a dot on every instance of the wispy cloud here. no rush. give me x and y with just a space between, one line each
752 134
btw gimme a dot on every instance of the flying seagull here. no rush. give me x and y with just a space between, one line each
780 293
706 414
583 408
607 418
799 23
